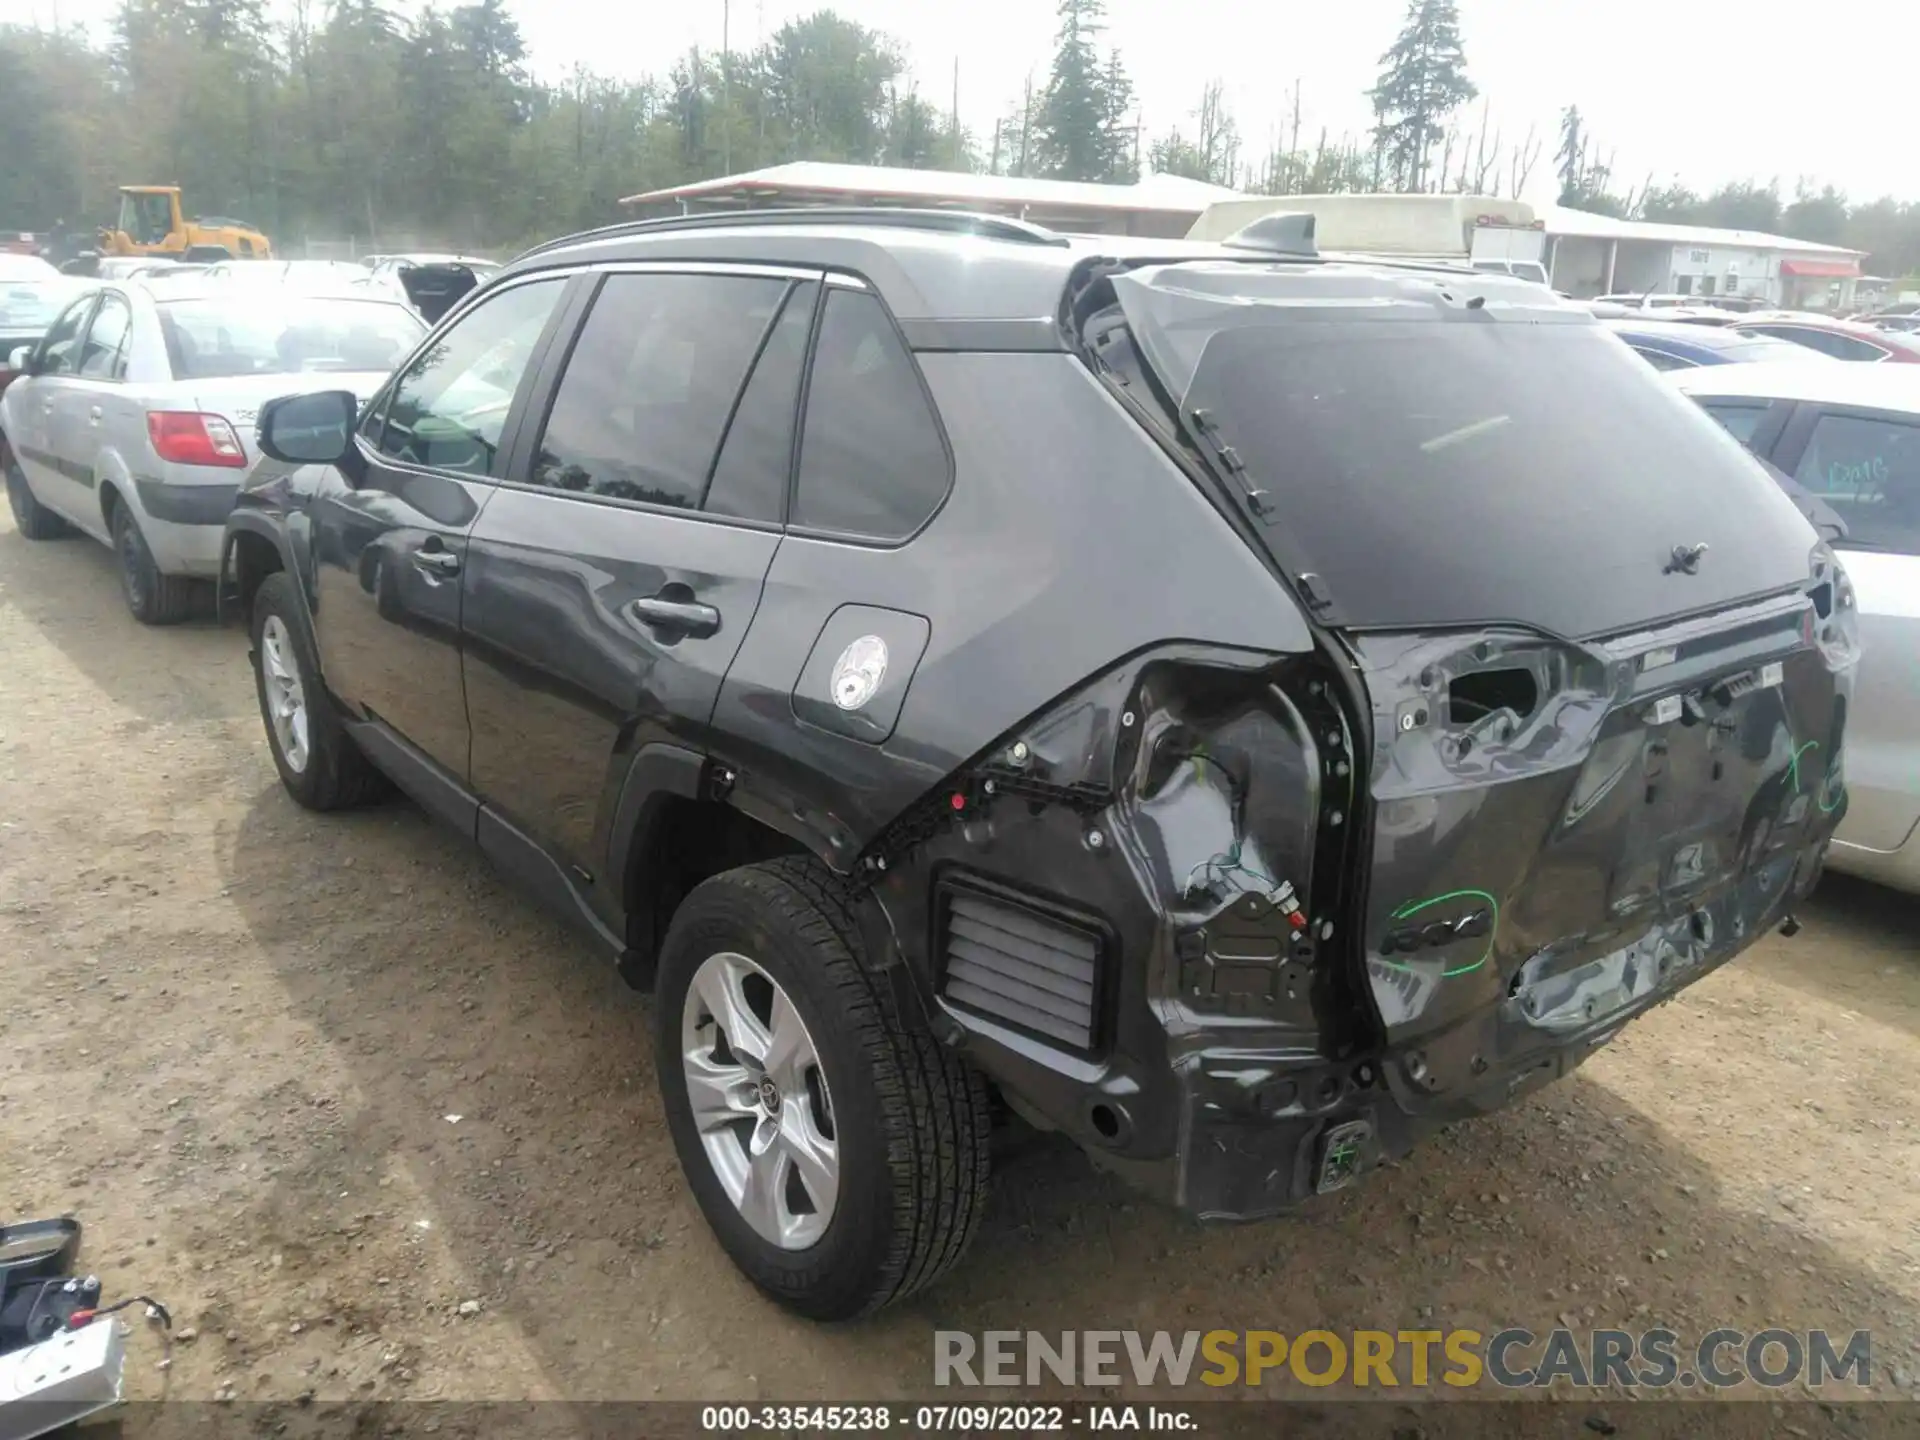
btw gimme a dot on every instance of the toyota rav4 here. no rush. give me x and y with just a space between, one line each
1245 708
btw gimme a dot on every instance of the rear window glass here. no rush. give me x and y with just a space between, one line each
210 339
1462 467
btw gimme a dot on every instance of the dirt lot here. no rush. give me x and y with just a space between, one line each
318 1082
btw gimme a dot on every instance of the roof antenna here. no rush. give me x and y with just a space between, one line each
1289 232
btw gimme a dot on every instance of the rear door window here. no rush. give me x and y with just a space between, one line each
873 460
756 459
1867 470
650 386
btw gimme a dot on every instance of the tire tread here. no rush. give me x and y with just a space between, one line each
934 1107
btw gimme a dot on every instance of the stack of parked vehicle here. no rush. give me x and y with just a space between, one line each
807 552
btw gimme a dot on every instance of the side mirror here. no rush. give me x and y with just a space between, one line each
314 429
21 360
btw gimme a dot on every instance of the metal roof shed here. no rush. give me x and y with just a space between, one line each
1162 206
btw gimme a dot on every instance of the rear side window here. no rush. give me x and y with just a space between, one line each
651 383
1739 421
1868 471
873 463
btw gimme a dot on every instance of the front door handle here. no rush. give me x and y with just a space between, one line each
436 560
663 612
93 414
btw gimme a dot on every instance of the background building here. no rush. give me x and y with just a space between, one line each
1599 255
1163 206
1588 254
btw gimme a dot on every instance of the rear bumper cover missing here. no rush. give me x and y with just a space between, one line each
1257 1139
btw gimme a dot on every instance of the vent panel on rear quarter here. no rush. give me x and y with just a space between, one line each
1019 963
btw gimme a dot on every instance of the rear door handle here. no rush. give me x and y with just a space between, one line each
93 414
683 617
440 562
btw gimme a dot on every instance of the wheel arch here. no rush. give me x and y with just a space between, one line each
673 826
250 551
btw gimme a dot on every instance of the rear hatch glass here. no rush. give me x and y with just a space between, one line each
1442 451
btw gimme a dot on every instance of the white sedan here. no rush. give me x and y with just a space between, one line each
1849 436
132 419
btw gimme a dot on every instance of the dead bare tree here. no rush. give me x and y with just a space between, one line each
1486 163
1525 156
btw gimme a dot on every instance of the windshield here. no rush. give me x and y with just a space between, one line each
214 338
146 219
1465 467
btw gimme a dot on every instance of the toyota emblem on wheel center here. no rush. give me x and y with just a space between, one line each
858 672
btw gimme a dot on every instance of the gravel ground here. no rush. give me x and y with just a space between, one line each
377 1128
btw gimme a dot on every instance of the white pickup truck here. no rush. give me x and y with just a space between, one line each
1476 230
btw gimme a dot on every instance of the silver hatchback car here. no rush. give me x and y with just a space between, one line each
1849 438
132 418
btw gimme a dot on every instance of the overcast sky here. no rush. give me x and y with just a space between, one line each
1704 92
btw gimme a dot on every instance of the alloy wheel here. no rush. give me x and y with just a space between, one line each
285 696
760 1101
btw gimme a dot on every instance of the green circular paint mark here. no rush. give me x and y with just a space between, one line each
1415 907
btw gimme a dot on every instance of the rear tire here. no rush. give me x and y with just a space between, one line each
909 1119
33 519
154 599
318 762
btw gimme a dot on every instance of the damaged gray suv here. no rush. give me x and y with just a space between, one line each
1245 709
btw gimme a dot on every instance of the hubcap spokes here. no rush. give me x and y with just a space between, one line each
760 1101
286 698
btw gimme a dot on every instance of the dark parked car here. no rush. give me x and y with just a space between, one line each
1248 710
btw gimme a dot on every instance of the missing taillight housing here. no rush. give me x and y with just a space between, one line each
1832 623
1471 698
191 437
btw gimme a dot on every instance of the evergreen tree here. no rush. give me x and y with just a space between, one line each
1423 80
1074 129
1122 131
1571 158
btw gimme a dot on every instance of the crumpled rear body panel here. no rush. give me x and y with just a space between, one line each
1642 816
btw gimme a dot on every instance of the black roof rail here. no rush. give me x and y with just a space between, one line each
951 222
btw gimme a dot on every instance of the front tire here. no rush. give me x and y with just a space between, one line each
318 762
154 599
836 1148
34 520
